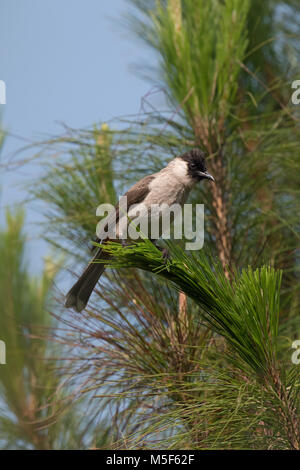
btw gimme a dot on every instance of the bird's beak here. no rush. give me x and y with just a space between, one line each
206 175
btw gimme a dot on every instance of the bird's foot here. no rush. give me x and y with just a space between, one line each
127 244
164 251
165 254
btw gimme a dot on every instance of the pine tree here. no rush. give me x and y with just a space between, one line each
210 366
36 410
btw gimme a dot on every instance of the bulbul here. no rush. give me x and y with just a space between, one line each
169 186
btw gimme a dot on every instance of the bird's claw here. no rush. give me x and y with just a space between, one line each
165 255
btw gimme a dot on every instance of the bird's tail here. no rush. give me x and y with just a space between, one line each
80 293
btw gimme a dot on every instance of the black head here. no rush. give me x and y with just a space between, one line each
196 165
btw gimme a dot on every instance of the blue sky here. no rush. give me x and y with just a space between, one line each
62 60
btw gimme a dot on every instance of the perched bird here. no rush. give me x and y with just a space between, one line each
169 186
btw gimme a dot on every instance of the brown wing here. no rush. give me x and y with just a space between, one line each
135 195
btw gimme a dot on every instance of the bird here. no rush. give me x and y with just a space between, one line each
171 185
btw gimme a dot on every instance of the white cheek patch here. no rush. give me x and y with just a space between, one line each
180 168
